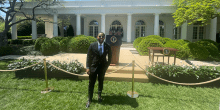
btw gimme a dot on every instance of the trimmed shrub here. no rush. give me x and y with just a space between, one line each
211 48
198 51
39 41
63 44
181 41
24 37
91 39
5 50
173 44
166 39
58 38
137 41
145 43
78 45
156 37
50 47
211 41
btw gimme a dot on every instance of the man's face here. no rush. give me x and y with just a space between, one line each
100 38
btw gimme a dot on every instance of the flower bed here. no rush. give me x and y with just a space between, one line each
38 70
185 74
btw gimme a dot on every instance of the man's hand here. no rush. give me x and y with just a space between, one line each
88 72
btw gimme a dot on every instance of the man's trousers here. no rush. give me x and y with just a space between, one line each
92 79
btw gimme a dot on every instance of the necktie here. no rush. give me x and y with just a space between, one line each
100 50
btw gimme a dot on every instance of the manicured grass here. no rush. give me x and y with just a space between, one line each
24 94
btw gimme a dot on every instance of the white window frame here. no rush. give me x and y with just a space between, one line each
198 28
144 26
93 27
161 26
178 33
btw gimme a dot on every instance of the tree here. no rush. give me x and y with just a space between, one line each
16 6
195 10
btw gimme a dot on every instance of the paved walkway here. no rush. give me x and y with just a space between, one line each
127 55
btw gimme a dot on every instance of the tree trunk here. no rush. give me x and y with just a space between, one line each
3 39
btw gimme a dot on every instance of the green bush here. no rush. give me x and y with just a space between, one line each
137 41
5 50
145 43
24 37
63 44
156 37
198 51
166 39
211 48
78 45
211 41
58 38
91 39
17 41
50 47
186 74
181 42
173 44
39 41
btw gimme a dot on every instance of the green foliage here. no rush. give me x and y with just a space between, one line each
181 41
63 44
145 43
211 48
91 39
211 41
70 31
78 45
50 47
74 66
58 38
24 37
40 28
195 10
166 39
198 51
179 54
24 28
39 42
5 50
137 41
185 74
156 37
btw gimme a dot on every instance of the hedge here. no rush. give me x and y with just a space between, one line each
145 43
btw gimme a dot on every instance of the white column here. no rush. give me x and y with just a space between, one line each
103 23
213 27
129 28
156 24
78 27
14 29
34 30
55 27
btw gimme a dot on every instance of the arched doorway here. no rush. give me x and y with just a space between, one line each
116 28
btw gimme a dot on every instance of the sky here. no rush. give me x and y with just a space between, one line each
2 14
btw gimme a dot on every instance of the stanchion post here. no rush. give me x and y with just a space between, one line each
45 71
132 93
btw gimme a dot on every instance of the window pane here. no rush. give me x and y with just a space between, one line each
96 31
137 32
90 30
180 33
140 22
194 32
201 30
93 22
162 31
161 22
116 22
142 31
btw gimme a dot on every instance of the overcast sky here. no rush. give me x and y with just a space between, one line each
3 14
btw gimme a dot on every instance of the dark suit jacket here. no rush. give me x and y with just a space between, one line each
94 59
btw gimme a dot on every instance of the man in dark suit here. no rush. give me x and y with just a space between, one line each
97 64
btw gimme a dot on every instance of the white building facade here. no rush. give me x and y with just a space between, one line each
137 18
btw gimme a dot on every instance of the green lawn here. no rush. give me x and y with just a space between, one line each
24 94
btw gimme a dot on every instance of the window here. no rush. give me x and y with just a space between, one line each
161 23
176 32
198 31
93 28
116 28
140 29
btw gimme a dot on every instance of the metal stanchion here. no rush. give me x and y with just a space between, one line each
45 72
132 93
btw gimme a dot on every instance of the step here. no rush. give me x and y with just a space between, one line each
126 71
120 77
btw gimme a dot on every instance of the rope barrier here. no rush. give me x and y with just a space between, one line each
22 68
180 83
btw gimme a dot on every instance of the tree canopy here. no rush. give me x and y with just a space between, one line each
195 10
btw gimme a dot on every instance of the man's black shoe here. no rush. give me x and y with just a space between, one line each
88 104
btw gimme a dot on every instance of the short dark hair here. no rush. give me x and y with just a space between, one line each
101 33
